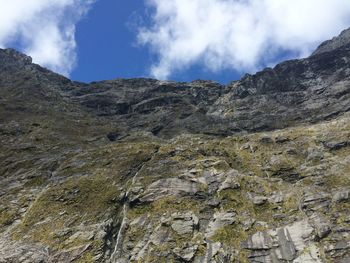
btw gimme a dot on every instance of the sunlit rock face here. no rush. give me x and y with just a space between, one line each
141 170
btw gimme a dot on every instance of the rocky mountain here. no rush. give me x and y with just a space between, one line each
141 170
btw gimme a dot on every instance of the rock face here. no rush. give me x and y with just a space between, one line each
281 244
141 170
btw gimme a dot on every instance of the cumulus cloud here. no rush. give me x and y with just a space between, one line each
44 29
242 35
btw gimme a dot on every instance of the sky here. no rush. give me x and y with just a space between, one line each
182 40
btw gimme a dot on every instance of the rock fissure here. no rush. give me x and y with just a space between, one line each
117 250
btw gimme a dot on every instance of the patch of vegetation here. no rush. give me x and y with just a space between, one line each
7 216
292 201
36 182
168 204
135 233
85 200
89 256
334 181
116 161
231 235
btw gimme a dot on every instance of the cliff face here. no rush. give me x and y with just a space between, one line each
141 170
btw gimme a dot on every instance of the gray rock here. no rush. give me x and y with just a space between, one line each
257 199
315 201
171 186
276 198
336 145
70 255
322 226
333 44
259 241
291 151
184 223
266 140
279 245
286 245
186 253
213 250
338 249
214 202
220 220
213 180
248 223
282 139
341 196
314 154
20 252
279 216
310 255
231 181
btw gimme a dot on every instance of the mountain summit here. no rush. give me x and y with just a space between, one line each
142 170
340 41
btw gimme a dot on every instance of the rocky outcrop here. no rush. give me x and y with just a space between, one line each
284 244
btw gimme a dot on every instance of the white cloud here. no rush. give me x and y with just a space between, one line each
44 29
237 34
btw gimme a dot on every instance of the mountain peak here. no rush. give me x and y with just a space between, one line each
11 58
337 42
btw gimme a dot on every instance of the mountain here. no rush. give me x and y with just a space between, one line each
142 170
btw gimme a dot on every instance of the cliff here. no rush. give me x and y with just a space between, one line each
141 170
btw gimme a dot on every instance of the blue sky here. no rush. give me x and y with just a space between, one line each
182 40
107 52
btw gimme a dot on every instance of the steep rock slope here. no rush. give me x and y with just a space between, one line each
142 170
